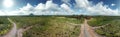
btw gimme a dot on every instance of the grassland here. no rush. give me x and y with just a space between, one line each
54 26
5 26
111 26
49 26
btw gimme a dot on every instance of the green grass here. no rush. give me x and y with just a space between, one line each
110 30
5 26
49 26
29 21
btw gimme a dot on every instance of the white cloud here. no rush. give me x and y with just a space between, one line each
50 5
40 9
67 8
46 9
26 9
50 8
2 13
9 13
98 9
40 6
66 2
112 4
82 3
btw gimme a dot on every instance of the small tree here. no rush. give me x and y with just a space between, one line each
31 14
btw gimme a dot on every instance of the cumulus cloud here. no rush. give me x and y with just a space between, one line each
66 2
82 3
49 8
67 8
26 9
98 9
41 9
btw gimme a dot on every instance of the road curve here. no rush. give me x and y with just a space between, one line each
87 31
13 31
21 30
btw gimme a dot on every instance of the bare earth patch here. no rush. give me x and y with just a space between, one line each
87 31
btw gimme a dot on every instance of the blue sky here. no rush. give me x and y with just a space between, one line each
61 7
108 2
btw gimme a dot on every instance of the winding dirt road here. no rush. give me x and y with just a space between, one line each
87 31
13 31
21 30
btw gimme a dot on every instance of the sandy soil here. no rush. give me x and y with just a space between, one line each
12 32
87 31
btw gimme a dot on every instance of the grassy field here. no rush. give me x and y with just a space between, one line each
54 26
111 28
49 26
5 25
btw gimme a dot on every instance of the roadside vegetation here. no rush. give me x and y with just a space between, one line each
5 26
110 25
49 26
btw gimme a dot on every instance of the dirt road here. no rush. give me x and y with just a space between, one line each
87 31
12 32
21 30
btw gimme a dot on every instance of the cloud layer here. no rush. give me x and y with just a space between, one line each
98 9
49 8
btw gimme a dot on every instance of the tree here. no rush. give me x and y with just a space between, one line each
31 14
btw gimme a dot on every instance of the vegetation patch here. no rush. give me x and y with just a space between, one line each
5 26
111 28
49 26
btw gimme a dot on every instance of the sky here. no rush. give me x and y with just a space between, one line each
59 7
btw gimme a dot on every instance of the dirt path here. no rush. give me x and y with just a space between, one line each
87 31
21 30
12 32
100 26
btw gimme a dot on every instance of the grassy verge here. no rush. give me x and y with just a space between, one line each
5 26
110 30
